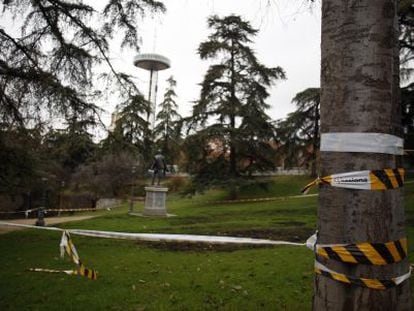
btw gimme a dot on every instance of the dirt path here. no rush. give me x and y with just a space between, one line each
49 221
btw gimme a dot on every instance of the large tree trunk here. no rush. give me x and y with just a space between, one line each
360 85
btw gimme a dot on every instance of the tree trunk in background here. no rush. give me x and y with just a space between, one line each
360 93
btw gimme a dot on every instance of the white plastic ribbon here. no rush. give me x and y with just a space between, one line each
156 237
362 142
67 245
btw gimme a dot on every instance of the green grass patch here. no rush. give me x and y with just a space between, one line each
161 276
276 187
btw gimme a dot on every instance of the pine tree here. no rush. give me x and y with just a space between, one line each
20 160
406 22
231 111
299 132
132 130
70 147
167 130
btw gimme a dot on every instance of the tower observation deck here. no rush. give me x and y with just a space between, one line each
153 63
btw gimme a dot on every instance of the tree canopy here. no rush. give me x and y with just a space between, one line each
298 134
167 132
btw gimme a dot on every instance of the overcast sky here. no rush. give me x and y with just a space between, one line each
289 37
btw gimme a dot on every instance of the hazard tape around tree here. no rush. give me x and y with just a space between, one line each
378 254
376 284
362 180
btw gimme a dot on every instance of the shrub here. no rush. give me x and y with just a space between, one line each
176 183
78 200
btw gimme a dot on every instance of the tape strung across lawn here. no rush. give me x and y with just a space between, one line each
362 142
26 212
362 180
156 237
72 210
261 199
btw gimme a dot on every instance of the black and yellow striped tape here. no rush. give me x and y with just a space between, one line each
71 251
387 179
82 271
89 273
71 210
318 181
366 253
364 282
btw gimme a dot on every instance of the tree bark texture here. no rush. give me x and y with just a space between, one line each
360 93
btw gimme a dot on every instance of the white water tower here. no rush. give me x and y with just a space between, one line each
153 63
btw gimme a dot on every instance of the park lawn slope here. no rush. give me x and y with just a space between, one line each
161 276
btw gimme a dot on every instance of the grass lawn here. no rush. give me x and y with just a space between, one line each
148 276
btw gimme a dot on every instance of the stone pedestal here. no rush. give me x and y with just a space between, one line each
155 202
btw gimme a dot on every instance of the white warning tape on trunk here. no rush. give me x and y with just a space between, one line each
362 142
362 180
157 237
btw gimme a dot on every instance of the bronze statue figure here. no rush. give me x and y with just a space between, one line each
159 167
